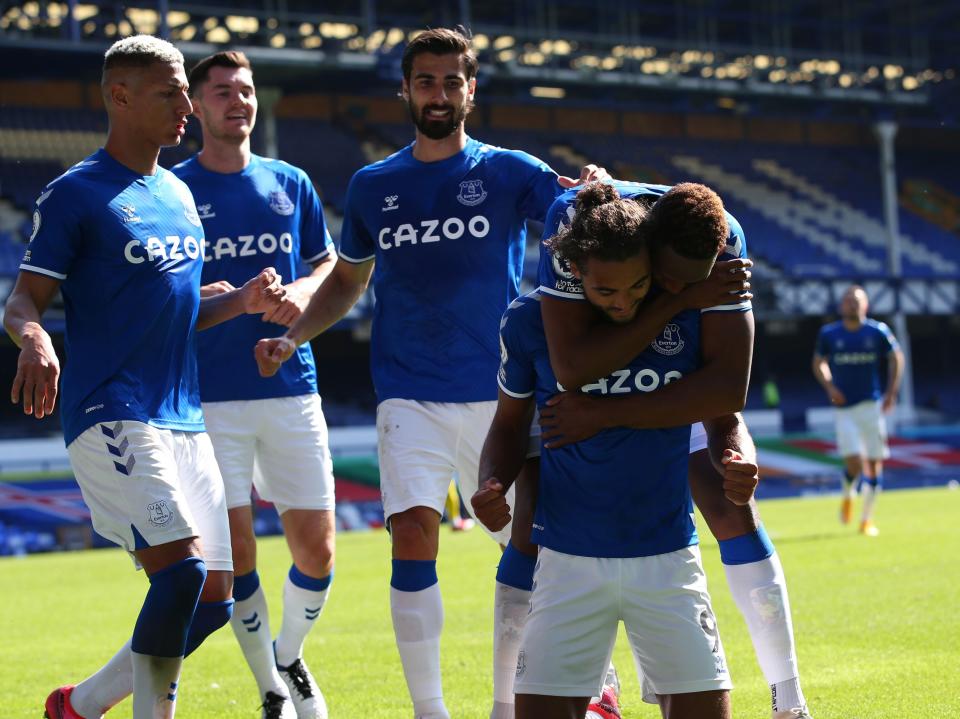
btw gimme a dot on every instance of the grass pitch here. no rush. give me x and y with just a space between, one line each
875 621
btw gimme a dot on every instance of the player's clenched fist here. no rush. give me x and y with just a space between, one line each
273 352
740 477
263 292
490 505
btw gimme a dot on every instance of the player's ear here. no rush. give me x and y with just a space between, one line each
119 94
576 271
405 90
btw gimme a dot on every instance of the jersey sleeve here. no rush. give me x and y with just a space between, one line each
540 187
888 338
736 249
56 234
553 273
315 240
517 376
356 244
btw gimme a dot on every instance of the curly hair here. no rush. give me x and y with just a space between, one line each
689 218
604 226
140 51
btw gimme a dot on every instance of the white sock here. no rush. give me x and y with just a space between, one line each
112 683
251 625
787 695
301 607
417 624
869 495
510 609
155 681
760 591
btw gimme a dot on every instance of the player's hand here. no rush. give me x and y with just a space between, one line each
219 287
292 305
273 352
728 282
889 401
262 293
837 398
588 173
740 477
489 503
570 417
38 371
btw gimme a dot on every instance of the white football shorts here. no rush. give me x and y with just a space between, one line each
160 484
862 430
422 445
278 445
576 608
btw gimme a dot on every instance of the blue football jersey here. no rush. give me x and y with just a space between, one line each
855 357
622 492
267 215
448 240
554 275
128 251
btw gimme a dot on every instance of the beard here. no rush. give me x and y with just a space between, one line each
436 129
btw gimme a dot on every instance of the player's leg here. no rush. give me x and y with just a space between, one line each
512 594
310 537
416 442
674 636
754 574
515 571
568 637
848 446
873 432
232 427
164 540
294 470
705 705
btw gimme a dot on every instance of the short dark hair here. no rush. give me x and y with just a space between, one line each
441 41
604 226
690 219
138 52
200 72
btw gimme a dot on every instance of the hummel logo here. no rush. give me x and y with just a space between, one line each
390 203
206 211
131 213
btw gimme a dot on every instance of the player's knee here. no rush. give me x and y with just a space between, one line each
315 560
726 519
218 586
244 549
161 628
207 619
414 534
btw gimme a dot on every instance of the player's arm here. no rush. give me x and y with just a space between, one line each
38 368
717 388
823 375
584 347
895 363
734 456
259 294
300 292
502 458
337 294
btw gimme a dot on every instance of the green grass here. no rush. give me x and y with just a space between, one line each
875 619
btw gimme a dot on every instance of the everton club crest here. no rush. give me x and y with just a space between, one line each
280 203
472 192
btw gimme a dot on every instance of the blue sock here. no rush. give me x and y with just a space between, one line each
161 628
516 568
746 548
245 585
413 575
305 581
875 483
208 618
